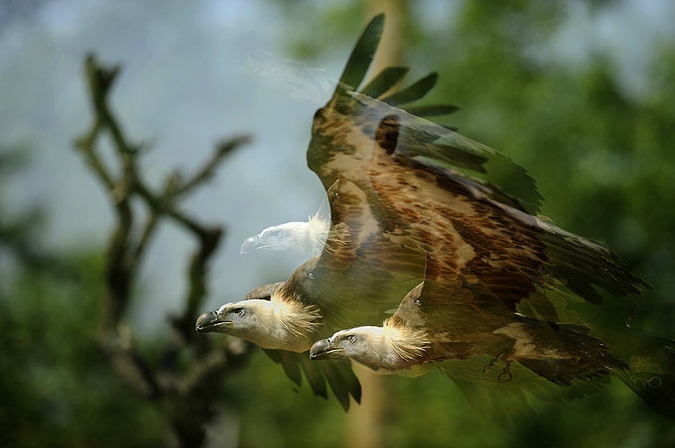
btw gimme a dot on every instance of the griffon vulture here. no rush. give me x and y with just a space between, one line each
361 274
403 190
445 322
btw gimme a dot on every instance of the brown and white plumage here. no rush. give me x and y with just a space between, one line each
474 338
435 325
389 349
412 201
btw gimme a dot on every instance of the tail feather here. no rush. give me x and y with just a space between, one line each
570 355
585 266
650 366
651 373
561 353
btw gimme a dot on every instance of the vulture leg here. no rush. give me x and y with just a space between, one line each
493 362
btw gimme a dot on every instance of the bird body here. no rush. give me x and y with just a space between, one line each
444 330
421 223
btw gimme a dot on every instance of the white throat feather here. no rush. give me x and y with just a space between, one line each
406 343
297 318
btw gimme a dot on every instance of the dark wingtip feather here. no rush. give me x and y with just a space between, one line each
584 266
342 382
361 57
654 380
314 377
289 364
339 376
413 92
384 81
656 390
433 110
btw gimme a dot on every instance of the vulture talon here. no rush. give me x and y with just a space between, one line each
492 362
506 375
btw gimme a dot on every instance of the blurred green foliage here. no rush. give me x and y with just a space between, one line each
602 157
57 388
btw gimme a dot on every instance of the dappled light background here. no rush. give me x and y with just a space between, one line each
580 93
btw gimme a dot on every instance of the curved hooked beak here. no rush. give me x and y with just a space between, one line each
252 243
323 349
210 322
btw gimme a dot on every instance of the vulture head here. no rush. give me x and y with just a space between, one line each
385 350
305 237
360 344
266 318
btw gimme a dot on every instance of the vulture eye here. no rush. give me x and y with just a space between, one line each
239 311
418 302
350 338
311 276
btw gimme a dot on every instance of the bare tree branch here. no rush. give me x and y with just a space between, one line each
222 150
186 392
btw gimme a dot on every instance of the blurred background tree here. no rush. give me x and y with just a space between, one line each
564 88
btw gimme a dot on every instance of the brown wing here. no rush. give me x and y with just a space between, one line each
395 179
400 185
463 324
365 269
476 233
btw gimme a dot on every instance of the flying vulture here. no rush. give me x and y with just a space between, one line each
362 273
421 213
467 333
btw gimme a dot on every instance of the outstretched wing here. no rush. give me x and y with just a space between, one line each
366 266
401 187
395 179
345 128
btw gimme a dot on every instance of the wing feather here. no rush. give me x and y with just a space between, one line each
315 377
412 200
289 362
343 383
436 145
339 376
384 81
434 110
413 92
361 57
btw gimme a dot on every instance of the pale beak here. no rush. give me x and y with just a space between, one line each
251 243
